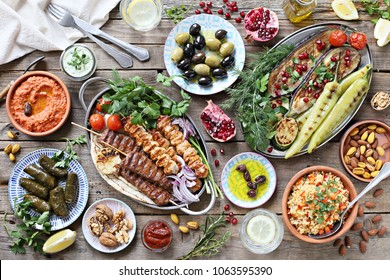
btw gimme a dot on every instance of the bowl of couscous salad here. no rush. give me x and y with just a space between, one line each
314 200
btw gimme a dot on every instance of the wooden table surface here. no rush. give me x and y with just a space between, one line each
291 247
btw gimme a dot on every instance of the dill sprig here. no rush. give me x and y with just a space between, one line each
251 101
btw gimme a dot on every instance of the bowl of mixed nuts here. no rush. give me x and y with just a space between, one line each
364 148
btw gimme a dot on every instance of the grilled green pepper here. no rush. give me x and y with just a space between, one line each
71 187
48 164
38 203
34 188
57 201
41 176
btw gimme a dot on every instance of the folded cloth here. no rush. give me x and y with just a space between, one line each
27 26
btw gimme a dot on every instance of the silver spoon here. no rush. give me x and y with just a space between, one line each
383 174
4 92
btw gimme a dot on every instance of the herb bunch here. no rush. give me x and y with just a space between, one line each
177 13
61 159
251 101
132 97
78 61
376 9
30 230
208 245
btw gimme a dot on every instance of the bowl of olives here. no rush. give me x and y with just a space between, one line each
203 53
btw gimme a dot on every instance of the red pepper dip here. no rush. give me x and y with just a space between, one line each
156 236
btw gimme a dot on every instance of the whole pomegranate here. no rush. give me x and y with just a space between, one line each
217 124
261 24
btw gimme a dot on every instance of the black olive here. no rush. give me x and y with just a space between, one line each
189 50
220 34
247 176
199 42
241 167
199 58
184 64
27 109
189 74
205 81
194 29
227 61
260 179
219 73
252 193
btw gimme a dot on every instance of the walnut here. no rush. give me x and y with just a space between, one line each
108 239
95 227
103 213
119 216
122 236
126 224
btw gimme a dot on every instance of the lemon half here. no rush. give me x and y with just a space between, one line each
345 9
59 241
261 229
382 32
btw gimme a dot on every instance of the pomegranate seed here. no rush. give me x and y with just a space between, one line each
323 45
230 8
242 14
270 149
209 4
316 96
346 58
197 12
216 162
235 8
304 67
225 1
234 221
226 207
214 152
347 52
205 9
284 79
234 3
326 81
318 42
273 106
301 56
333 59
220 11
315 84
348 63
299 66
277 86
231 214
227 16
222 151
299 71
319 48
201 4
305 99
209 12
309 90
279 101
228 4
238 20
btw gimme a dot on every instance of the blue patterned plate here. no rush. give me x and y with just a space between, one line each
235 187
75 208
209 24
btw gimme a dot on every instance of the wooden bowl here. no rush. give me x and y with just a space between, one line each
348 221
11 94
382 139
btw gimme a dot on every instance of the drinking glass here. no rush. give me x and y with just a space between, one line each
142 15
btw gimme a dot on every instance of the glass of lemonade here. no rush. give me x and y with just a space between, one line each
142 15
261 231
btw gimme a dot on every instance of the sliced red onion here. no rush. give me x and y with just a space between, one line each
190 184
188 172
176 193
181 160
186 126
187 195
174 177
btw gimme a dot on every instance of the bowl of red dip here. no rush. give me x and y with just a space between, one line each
38 103
157 236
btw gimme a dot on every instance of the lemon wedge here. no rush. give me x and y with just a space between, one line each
345 9
59 241
382 32
261 229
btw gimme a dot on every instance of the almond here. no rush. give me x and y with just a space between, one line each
382 231
377 219
365 236
373 232
354 132
348 241
386 146
338 242
370 204
342 250
378 192
357 226
363 246
361 211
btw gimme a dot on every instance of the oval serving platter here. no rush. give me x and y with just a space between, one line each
208 23
297 38
16 192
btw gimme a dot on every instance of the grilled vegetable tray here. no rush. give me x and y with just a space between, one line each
290 98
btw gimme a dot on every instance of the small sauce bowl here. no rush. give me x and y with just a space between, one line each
156 236
78 62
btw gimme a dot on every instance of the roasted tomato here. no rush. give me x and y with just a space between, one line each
101 102
338 38
97 122
358 40
114 122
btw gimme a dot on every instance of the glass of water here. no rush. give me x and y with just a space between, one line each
142 15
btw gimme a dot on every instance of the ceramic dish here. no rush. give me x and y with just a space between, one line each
298 37
348 221
115 205
235 187
346 144
42 105
208 23
15 191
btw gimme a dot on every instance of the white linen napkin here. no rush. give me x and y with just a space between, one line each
27 26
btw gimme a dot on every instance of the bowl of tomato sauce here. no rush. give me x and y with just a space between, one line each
156 235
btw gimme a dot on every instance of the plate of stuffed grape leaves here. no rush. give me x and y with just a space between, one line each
62 192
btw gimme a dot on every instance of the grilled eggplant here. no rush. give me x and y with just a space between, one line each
286 133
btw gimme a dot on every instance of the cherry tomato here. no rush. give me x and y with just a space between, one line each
101 102
97 122
358 40
338 38
114 122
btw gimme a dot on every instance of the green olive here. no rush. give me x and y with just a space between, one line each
226 49
177 54
213 61
182 38
213 44
202 69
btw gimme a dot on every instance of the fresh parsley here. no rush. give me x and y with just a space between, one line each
177 13
375 8
61 159
78 61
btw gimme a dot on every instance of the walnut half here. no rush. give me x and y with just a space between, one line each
95 227
103 213
108 239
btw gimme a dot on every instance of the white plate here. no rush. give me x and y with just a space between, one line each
115 206
75 209
208 23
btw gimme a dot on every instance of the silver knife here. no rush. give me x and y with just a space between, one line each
139 53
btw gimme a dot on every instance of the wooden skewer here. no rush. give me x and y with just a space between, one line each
87 129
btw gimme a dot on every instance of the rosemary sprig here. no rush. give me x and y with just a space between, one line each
207 244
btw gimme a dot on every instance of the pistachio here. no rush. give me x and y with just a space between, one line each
354 162
371 160
362 164
370 167
364 136
184 229
358 171
351 151
369 153
367 175
347 159
374 173
375 155
371 138
362 149
362 131
12 157
11 134
354 132
372 126
380 130
15 148
380 151
8 149
193 225
378 164
175 218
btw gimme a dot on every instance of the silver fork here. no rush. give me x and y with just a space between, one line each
65 19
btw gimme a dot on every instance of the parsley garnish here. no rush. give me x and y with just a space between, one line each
78 61
376 9
61 159
177 13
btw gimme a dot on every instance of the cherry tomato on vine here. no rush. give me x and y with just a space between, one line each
338 38
97 122
114 122
101 102
358 40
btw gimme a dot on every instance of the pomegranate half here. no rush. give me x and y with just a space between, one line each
217 124
261 24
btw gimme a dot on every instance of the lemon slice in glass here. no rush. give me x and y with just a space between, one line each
382 32
345 9
59 241
261 229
